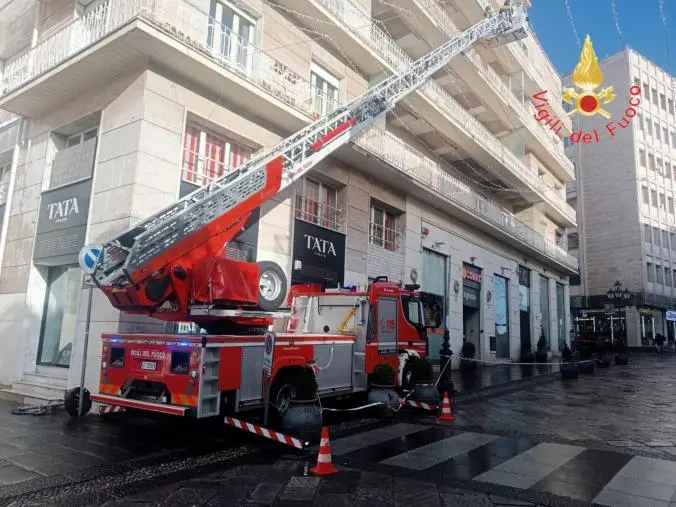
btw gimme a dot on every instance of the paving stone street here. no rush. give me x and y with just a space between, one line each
607 439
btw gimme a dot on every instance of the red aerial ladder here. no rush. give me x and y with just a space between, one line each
172 266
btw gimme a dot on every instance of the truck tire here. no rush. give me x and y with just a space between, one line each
283 388
71 401
272 286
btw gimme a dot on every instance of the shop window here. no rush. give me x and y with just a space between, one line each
383 229
317 203
231 34
435 287
59 321
207 156
81 137
325 87
501 296
5 169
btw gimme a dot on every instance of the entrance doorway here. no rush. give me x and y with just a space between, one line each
471 306
470 325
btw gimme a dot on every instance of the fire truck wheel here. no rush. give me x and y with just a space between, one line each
71 401
271 286
407 377
283 389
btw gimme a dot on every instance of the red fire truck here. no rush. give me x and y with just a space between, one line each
172 266
345 333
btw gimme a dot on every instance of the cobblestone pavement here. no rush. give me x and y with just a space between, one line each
285 484
608 438
630 407
604 439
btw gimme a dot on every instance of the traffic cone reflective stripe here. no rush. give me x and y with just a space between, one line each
324 465
446 414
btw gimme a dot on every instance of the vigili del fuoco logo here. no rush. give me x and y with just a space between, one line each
586 101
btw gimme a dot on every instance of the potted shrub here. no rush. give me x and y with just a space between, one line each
303 417
423 379
468 351
381 390
541 352
527 355
603 354
621 352
568 368
586 362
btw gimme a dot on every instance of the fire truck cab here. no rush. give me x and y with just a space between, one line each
342 334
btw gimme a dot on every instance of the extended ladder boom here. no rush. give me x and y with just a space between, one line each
174 232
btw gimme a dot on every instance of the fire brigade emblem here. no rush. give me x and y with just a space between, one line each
587 77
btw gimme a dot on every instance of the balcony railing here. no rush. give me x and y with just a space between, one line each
546 77
444 20
384 237
181 19
320 213
362 25
433 176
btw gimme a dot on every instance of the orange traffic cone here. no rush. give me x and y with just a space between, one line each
446 414
324 465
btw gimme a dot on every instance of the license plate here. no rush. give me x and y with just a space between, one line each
148 365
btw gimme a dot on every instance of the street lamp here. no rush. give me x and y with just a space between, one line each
620 297
618 294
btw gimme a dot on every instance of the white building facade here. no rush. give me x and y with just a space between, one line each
624 195
126 105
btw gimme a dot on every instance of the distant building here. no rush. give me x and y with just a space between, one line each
624 196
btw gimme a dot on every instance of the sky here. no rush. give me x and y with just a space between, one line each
638 24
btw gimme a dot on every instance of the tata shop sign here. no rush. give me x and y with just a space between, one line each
318 254
62 223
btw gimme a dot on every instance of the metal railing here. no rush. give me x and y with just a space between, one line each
361 24
546 77
319 213
384 237
430 174
526 115
177 17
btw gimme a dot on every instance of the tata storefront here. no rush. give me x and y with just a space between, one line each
61 231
